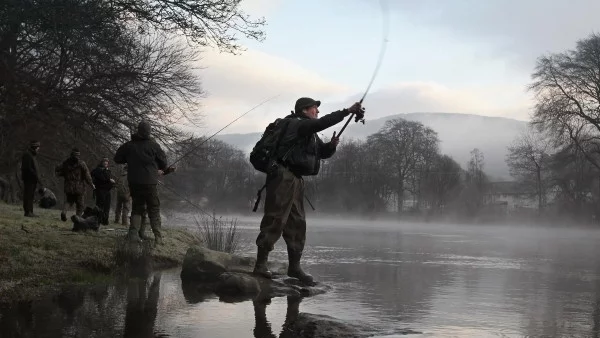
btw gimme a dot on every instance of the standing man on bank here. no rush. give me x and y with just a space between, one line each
76 175
145 161
30 174
123 198
284 204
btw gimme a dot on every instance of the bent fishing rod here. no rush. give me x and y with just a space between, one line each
386 29
194 148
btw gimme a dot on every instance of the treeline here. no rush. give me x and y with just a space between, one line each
558 159
83 73
398 170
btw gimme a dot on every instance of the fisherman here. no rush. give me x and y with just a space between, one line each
104 182
30 174
284 204
123 198
145 161
76 174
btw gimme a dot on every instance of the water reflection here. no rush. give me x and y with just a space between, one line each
142 303
476 282
262 327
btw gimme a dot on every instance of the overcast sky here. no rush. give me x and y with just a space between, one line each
459 56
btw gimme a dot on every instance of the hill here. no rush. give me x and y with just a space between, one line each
458 134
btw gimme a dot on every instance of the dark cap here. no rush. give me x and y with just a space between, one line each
34 143
305 102
75 152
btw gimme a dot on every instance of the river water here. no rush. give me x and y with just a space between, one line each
438 280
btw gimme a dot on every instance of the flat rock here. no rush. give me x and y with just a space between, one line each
230 277
308 325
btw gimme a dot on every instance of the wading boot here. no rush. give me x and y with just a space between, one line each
142 232
158 240
133 234
294 269
260 268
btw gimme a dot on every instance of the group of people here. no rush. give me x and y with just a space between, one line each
142 161
299 152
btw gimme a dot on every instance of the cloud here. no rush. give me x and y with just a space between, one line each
236 83
519 30
260 7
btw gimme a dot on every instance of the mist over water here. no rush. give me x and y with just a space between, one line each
442 280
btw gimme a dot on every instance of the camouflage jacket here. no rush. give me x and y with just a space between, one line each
123 186
76 175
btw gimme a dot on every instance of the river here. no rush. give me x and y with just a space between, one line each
441 280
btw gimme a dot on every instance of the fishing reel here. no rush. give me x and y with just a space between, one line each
360 117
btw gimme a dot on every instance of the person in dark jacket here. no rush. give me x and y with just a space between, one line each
284 204
76 174
30 174
104 182
145 161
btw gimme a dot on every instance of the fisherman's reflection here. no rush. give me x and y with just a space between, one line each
142 307
262 328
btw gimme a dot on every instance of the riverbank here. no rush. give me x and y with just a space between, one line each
38 255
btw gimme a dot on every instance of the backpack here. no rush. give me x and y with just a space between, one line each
263 155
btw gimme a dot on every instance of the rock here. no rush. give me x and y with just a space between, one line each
308 325
231 278
236 286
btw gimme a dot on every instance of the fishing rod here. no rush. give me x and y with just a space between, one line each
220 130
386 29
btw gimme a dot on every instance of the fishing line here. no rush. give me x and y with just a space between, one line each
220 130
385 30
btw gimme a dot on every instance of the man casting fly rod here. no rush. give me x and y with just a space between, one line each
288 150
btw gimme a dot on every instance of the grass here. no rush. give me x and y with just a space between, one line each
37 254
218 234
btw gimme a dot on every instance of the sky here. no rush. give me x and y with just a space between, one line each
450 56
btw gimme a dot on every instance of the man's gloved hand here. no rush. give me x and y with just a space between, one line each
167 171
335 140
357 110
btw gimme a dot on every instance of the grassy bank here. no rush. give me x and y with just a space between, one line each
40 254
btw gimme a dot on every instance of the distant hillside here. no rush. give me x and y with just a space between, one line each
458 134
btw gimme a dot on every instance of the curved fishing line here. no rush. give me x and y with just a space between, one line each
385 31
194 148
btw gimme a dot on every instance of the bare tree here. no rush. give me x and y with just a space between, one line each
476 183
206 22
567 91
529 160
404 146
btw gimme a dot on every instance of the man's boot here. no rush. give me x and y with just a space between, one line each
124 220
63 216
294 269
142 232
134 228
260 268
158 239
